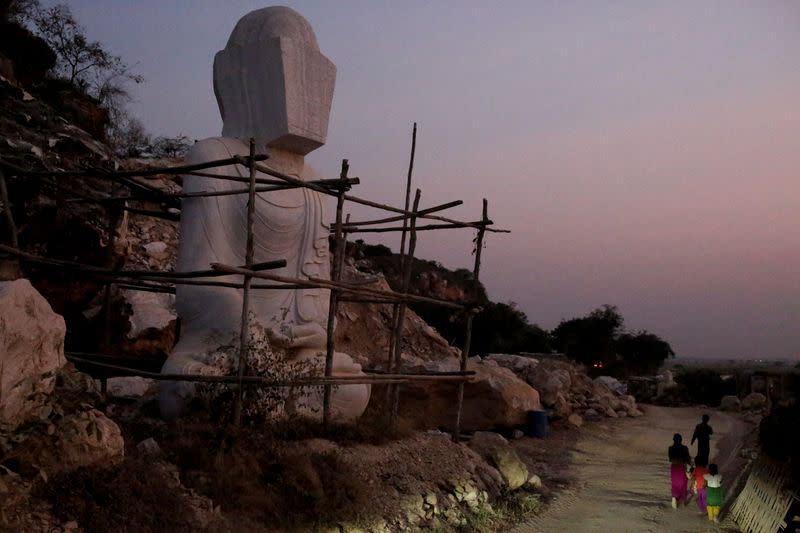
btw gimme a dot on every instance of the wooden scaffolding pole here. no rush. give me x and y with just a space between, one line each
333 305
399 218
348 287
100 173
368 379
13 266
408 264
245 330
395 308
469 317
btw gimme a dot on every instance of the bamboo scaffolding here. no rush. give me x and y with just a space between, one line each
244 327
408 262
333 302
146 287
470 316
396 307
13 269
360 299
429 227
346 287
334 184
352 291
12 226
114 219
28 257
399 218
162 196
101 173
239 160
266 382
362 201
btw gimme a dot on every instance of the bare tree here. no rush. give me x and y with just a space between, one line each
87 66
128 136
170 146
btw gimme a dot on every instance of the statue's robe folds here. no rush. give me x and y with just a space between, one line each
288 224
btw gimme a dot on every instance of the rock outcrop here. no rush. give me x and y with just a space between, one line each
88 438
730 403
496 450
565 388
363 331
495 398
753 401
31 351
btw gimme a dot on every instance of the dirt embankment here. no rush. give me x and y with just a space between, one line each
622 477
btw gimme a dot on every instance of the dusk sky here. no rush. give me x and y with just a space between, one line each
644 154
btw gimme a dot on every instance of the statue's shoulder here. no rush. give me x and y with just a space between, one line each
215 148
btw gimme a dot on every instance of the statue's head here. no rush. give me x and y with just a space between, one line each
273 83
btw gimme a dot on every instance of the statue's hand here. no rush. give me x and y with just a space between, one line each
310 334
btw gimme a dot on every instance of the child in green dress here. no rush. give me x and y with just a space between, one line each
714 495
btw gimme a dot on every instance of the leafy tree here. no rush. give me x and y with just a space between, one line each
643 352
504 328
590 339
18 11
599 341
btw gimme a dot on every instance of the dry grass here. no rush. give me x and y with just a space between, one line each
124 498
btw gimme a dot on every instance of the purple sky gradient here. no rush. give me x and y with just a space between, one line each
644 154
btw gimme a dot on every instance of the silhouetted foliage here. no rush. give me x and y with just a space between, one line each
590 339
170 146
84 64
31 56
503 328
705 386
643 352
780 439
598 340
129 138
376 250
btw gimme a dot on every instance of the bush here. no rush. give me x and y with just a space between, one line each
705 387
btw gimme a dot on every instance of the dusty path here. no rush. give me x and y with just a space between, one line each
623 475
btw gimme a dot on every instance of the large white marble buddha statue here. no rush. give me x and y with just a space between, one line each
273 84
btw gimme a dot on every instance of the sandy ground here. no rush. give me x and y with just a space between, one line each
622 475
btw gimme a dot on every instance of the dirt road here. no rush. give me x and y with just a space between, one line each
623 475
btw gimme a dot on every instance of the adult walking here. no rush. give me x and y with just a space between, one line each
679 458
702 434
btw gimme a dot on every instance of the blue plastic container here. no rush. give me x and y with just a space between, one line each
537 424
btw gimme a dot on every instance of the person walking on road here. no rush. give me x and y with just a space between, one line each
702 434
715 496
679 459
698 474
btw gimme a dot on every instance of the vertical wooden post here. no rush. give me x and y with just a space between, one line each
12 227
396 307
336 274
13 264
401 314
470 315
408 191
115 214
344 250
244 328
